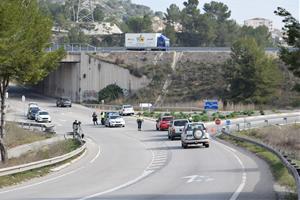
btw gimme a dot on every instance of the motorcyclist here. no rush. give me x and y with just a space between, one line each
95 119
140 120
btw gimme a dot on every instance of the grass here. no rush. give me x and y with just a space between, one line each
54 150
283 138
279 171
46 152
15 135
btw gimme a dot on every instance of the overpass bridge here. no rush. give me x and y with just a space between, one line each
84 72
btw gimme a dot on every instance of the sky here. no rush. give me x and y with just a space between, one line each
240 9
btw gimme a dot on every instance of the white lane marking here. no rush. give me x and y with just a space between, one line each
243 183
226 147
146 173
98 154
244 175
197 178
42 182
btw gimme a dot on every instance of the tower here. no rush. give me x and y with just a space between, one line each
85 11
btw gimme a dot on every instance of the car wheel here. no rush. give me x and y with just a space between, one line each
183 145
206 145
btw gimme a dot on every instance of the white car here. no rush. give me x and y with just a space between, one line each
195 133
42 116
127 110
115 120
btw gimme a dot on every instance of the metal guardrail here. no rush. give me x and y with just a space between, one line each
41 163
287 163
49 128
77 48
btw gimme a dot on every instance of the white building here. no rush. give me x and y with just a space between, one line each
256 22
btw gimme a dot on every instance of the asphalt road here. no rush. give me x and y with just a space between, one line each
122 163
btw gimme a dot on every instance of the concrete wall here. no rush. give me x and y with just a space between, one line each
81 77
96 75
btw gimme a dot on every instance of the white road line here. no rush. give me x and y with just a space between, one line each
146 173
42 182
243 183
98 154
244 175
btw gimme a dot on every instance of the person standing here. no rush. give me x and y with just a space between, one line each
95 119
140 120
102 118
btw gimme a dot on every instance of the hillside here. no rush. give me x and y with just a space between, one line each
195 76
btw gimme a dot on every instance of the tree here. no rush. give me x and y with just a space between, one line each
261 35
173 14
252 77
76 35
139 24
218 10
292 37
98 14
24 37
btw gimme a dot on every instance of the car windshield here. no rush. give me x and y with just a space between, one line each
180 123
114 117
128 106
193 126
34 110
167 118
43 113
66 99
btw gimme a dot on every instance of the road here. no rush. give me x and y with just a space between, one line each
122 163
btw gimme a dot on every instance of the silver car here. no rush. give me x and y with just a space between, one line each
176 128
195 133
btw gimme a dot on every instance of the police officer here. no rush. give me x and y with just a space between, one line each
95 119
140 120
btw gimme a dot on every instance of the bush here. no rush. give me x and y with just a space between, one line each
110 93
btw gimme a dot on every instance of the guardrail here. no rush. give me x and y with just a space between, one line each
49 128
41 163
294 171
76 48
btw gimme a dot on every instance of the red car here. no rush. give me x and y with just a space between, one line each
163 122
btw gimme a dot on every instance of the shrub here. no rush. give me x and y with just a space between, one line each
110 93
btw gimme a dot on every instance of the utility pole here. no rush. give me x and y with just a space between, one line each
85 12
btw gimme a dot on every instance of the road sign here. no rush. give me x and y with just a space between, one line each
217 121
211 105
228 122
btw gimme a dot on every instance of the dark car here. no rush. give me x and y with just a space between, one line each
32 111
63 102
163 122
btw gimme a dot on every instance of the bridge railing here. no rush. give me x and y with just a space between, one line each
74 47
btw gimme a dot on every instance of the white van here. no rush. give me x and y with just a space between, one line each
127 110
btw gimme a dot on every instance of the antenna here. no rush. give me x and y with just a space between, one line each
85 11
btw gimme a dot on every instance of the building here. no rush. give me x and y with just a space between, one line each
256 22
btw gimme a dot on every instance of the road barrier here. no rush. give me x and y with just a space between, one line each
48 128
41 163
292 168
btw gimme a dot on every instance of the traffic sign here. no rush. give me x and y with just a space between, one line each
217 121
228 122
211 105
